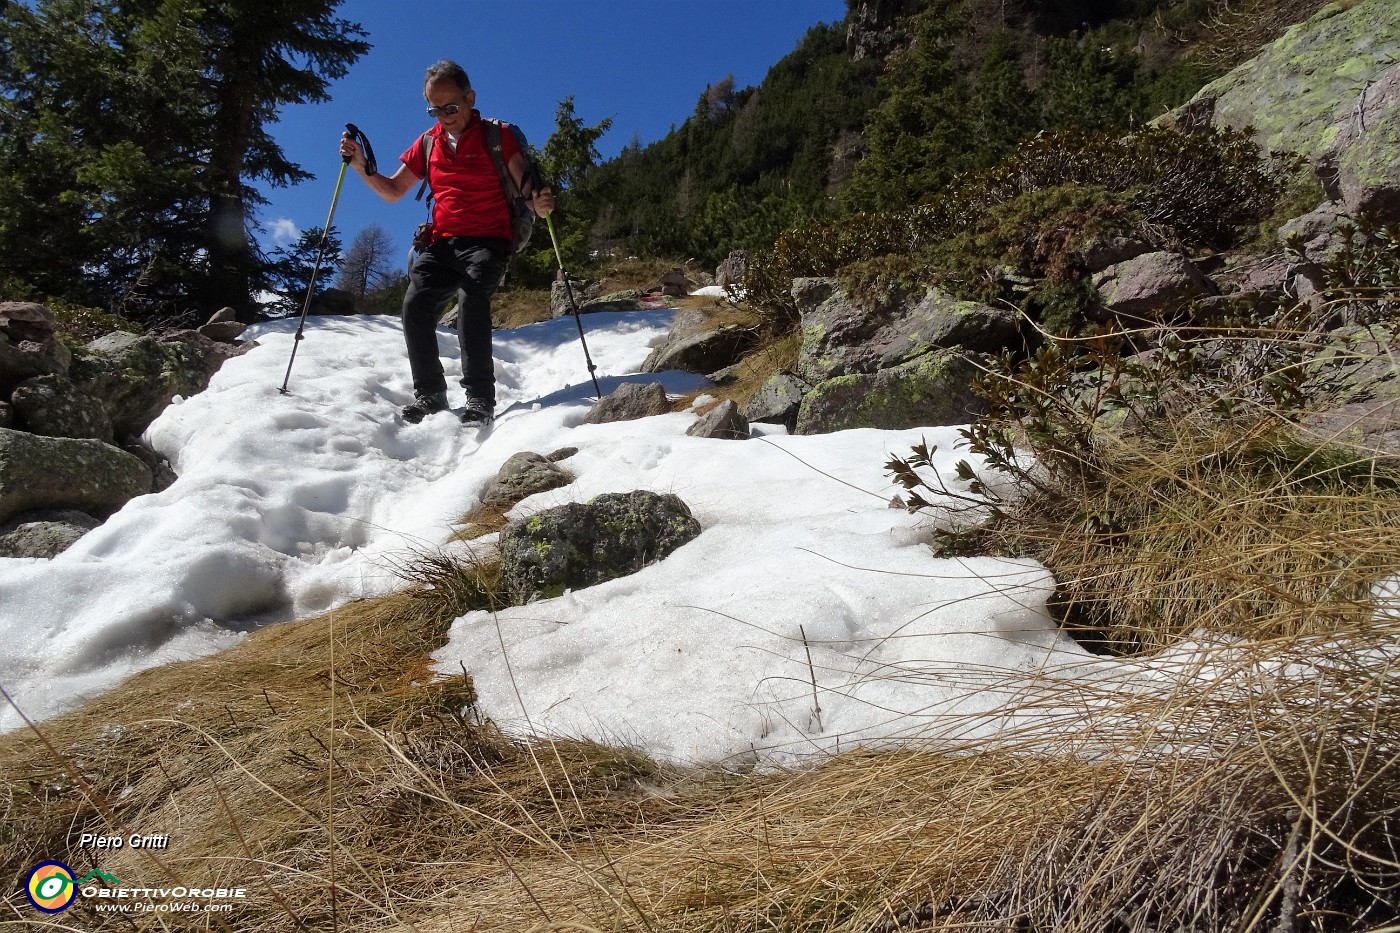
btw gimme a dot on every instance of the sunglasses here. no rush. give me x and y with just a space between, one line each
450 110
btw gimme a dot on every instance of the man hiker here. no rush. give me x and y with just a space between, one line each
471 239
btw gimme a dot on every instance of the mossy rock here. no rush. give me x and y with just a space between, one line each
933 390
582 544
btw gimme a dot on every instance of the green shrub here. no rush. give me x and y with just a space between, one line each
1033 214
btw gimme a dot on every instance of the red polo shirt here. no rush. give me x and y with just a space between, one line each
467 196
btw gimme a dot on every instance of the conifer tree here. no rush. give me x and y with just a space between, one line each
917 140
132 132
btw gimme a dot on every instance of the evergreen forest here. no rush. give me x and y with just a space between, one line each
133 135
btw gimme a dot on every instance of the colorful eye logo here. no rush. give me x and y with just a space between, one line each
50 887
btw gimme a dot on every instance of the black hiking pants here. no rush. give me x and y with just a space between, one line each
471 267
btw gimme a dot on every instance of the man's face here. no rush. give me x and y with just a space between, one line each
446 94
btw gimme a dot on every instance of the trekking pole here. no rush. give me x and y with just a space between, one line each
573 305
354 131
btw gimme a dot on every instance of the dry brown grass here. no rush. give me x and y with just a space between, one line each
1265 789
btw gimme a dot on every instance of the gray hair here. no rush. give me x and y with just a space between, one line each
447 70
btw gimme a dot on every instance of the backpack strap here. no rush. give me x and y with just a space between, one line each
493 145
426 183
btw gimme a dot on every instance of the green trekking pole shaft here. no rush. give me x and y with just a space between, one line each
573 305
311 286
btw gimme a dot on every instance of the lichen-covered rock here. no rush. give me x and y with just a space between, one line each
933 390
777 401
523 475
53 406
628 402
582 544
694 346
844 334
1368 149
28 346
66 473
1297 90
723 422
1151 286
43 534
137 376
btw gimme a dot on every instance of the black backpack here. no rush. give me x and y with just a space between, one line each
522 219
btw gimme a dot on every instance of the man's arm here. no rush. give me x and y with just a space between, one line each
541 200
388 187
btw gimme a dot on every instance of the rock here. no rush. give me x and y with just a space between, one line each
694 346
675 284
1151 286
137 376
1100 254
7 415
521 476
1319 230
723 422
777 401
28 344
582 544
1368 150
43 534
1328 89
222 315
1372 425
845 335
53 406
628 402
733 269
583 293
1297 89
933 390
626 300
60 472
223 331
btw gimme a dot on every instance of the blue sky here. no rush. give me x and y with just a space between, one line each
642 62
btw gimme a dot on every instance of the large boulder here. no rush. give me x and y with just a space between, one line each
628 402
1367 149
695 346
933 390
66 473
1297 90
582 544
52 405
845 335
1328 89
1152 286
28 344
136 376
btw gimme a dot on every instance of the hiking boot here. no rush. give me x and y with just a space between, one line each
424 404
478 412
